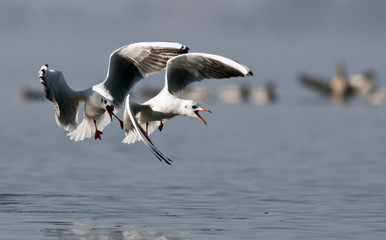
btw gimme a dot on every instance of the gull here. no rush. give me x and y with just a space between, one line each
338 88
127 65
180 72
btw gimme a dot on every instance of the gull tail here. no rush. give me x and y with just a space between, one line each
84 130
132 135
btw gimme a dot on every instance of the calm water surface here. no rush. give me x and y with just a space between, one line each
298 169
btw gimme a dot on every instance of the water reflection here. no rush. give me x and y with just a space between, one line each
104 233
36 205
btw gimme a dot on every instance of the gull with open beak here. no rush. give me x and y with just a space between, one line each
180 72
127 65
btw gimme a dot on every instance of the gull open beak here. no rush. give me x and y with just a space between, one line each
110 110
198 115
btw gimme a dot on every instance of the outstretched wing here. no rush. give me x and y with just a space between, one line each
193 67
146 140
318 84
65 100
131 63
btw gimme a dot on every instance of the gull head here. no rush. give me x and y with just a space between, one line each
192 109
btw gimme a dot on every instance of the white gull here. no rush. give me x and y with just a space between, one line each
180 71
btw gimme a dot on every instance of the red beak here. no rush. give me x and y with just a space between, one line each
110 109
198 115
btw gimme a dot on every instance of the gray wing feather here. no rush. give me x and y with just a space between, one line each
193 67
129 64
65 100
318 84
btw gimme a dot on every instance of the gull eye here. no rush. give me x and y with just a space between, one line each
105 101
194 106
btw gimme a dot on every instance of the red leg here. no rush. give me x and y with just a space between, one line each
160 126
120 121
97 132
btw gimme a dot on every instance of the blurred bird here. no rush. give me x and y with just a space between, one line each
233 93
366 87
27 94
264 95
338 88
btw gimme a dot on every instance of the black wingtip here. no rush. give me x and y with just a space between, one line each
164 159
184 49
42 76
169 162
42 71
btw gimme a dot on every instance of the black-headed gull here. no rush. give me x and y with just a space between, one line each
180 71
127 65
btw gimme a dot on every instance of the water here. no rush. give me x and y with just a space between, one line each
284 171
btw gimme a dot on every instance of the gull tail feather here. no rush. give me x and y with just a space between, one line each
132 135
84 130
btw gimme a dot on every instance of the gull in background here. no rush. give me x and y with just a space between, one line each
338 88
366 87
127 65
180 72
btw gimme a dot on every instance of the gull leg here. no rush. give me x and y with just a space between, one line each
97 132
120 121
160 126
147 126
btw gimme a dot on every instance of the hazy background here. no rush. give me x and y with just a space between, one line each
276 39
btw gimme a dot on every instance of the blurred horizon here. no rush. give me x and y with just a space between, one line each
270 19
277 40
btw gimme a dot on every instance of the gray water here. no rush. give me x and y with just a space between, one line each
291 170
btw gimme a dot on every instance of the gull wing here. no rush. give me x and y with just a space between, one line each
129 64
146 140
193 67
317 84
65 100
